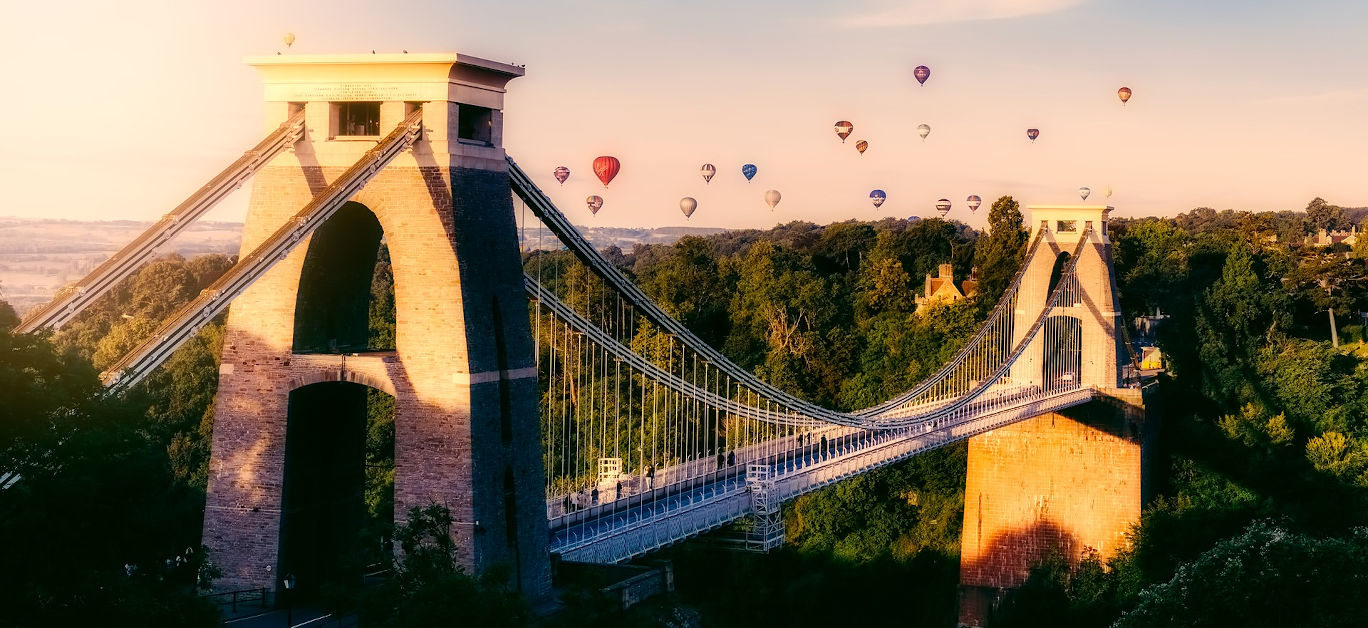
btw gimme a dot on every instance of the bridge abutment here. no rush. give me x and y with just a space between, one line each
1067 483
462 372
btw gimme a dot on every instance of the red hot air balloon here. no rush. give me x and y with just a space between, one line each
921 73
861 146
606 167
1124 94
843 130
1032 134
562 173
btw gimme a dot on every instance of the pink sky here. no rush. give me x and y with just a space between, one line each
119 110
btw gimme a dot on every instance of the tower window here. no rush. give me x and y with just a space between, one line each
475 123
1067 226
357 118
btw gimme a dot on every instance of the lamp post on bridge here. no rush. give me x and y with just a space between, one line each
289 582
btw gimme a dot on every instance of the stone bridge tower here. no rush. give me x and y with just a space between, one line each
1072 481
289 433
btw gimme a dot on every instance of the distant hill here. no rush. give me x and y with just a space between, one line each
622 237
37 257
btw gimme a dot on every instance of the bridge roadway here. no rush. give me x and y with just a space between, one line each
635 524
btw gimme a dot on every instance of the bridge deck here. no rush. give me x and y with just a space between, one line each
636 524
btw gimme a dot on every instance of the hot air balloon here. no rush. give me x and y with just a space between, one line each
1124 94
1032 134
861 146
921 73
772 198
843 130
943 206
1107 191
595 203
606 167
749 171
1084 191
708 171
923 130
877 197
688 205
288 39
561 174
973 202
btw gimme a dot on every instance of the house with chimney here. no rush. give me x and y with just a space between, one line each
940 288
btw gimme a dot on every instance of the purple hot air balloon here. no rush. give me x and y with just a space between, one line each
595 203
921 73
1032 134
562 173
973 202
877 197
943 206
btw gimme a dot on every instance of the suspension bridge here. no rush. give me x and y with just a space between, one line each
545 398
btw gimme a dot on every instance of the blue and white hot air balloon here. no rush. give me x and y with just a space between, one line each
749 171
877 197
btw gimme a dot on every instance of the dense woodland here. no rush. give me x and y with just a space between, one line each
1257 518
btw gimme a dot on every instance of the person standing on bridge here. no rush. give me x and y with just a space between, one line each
593 497
650 476
731 458
824 447
721 461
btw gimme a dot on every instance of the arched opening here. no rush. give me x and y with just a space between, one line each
1063 352
345 301
337 506
1060 262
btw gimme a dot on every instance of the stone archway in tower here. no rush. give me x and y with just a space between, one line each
337 499
336 299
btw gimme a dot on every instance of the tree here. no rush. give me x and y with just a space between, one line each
429 588
999 253
94 493
8 318
1265 576
1322 215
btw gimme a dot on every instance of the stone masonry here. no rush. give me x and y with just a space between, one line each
463 374
1069 482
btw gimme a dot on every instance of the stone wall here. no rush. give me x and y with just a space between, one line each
1068 482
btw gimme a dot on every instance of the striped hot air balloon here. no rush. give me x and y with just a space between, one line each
843 130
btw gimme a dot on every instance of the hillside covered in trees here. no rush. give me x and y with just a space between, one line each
1263 449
